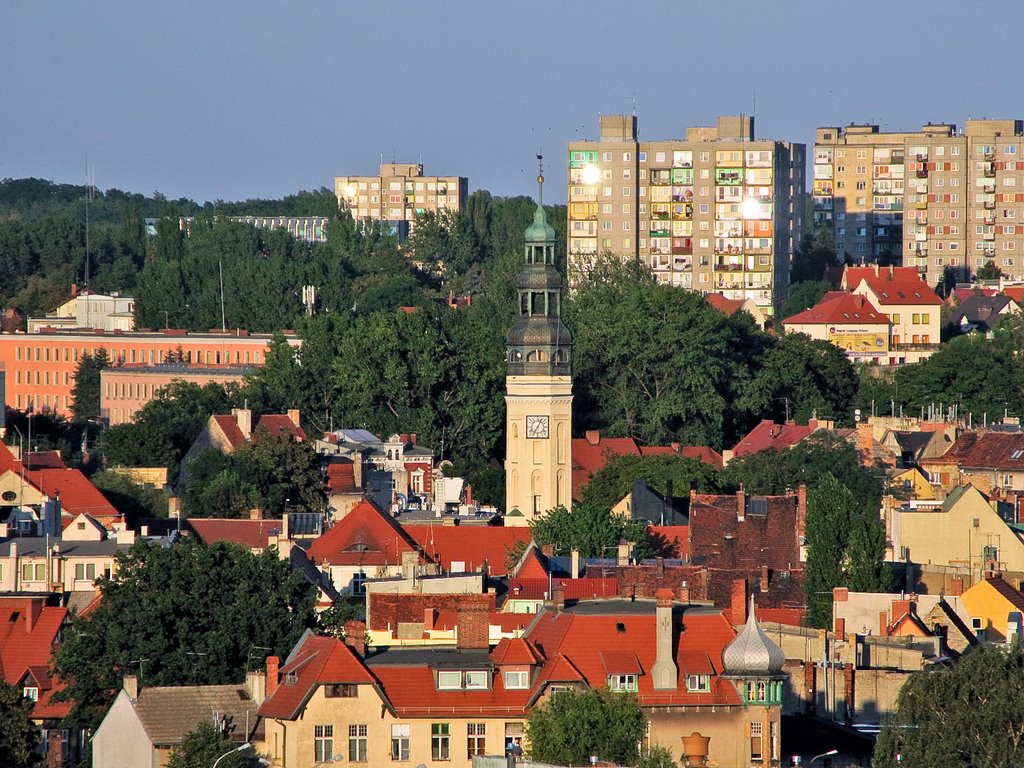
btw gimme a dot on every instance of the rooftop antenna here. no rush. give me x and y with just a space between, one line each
223 324
634 105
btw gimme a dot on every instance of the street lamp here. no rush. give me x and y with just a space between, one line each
239 748
823 754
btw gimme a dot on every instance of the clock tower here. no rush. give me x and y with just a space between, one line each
538 385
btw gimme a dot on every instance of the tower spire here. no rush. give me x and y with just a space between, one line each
540 179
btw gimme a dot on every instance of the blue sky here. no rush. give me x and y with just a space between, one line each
234 99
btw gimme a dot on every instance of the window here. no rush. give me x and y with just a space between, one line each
622 682
33 571
476 734
698 683
30 692
477 680
447 680
400 741
340 691
440 748
756 748
85 571
895 317
323 743
517 680
357 742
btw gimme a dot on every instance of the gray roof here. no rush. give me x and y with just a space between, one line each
36 546
168 713
752 653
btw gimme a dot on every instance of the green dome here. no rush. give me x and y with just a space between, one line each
540 231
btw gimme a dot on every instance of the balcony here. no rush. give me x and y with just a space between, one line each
921 173
921 204
658 232
922 218
988 235
989 205
661 178
989 170
990 157
989 221
921 251
922 157
989 189
682 250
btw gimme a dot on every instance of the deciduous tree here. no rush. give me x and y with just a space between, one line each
202 747
19 736
573 726
592 529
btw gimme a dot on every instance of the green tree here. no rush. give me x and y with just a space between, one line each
968 715
193 614
592 529
988 271
613 481
131 499
202 747
572 726
830 509
85 393
19 736
812 258
803 296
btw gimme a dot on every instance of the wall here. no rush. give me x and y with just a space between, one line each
121 741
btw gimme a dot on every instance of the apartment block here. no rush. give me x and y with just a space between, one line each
933 199
399 193
716 212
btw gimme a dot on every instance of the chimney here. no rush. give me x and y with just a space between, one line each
255 513
741 503
131 686
355 636
243 417
850 698
801 511
574 557
256 685
429 617
956 586
738 602
472 630
593 436
35 609
174 507
624 552
764 578
883 623
665 674
840 627
293 416
684 592
285 525
273 664
840 594
74 290
410 560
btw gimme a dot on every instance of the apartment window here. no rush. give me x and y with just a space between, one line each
643 157
33 571
357 742
85 571
607 157
622 683
756 746
440 746
625 191
476 738
606 173
924 319
626 173
862 185
400 741
477 680
625 226
705 157
625 157
517 680
895 317
704 208
698 683
30 692
840 169
606 207
606 225
447 681
625 207
323 743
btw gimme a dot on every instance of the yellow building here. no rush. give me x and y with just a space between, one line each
538 386
399 193
990 603
717 212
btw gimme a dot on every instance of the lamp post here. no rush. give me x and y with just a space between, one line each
823 754
239 748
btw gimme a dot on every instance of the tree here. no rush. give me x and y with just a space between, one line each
574 725
203 746
590 528
85 393
803 296
613 481
19 736
129 498
988 271
968 715
192 613
812 258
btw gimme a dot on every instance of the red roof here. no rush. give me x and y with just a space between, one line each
412 691
726 306
892 285
275 424
768 434
365 536
26 651
574 589
229 426
341 476
671 541
793 617
700 452
386 610
252 534
763 534
77 494
1015 292
591 453
985 450
840 308
516 650
45 460
471 545
318 661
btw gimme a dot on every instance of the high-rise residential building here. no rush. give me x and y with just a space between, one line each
932 199
716 212
398 193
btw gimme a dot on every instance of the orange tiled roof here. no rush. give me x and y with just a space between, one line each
471 545
229 426
279 424
252 534
768 434
365 536
840 308
26 651
516 650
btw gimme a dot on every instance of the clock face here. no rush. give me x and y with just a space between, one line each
537 426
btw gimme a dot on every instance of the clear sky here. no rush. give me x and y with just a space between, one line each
232 99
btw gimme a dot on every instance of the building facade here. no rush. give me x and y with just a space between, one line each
538 385
719 211
41 366
398 193
124 391
933 199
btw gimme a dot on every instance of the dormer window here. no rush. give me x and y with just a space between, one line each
517 680
291 678
622 683
449 681
459 679
30 692
341 691
698 683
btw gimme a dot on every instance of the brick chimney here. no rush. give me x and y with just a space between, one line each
738 602
558 598
273 664
956 586
801 511
883 623
764 578
355 636
472 628
664 673
741 503
593 436
429 617
840 627
840 594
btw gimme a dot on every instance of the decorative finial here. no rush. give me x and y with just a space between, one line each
540 178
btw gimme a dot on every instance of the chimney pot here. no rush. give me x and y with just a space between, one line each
593 436
355 636
273 665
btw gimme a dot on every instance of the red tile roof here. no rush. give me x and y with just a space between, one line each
985 450
767 537
317 661
1015 292
341 476
412 691
365 536
700 452
840 308
45 460
768 434
516 650
591 453
25 651
77 494
574 589
471 545
252 534
275 424
892 285
726 306
793 617
229 426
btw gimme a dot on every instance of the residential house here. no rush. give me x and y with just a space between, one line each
144 726
30 630
91 310
730 307
993 462
991 604
685 664
850 321
981 313
912 307
769 434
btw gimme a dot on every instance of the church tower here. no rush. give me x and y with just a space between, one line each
538 385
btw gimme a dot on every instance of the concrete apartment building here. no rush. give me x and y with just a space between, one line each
936 198
125 390
716 212
398 193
